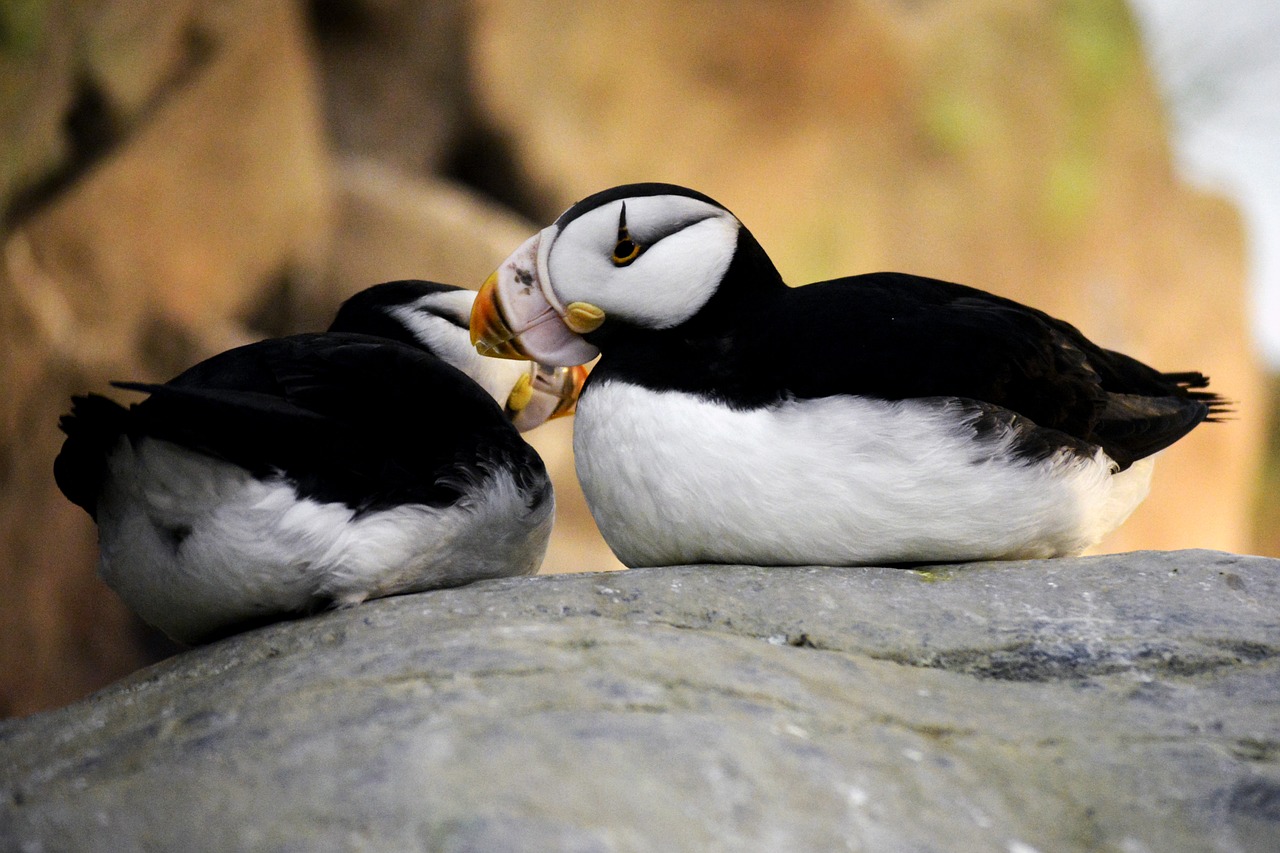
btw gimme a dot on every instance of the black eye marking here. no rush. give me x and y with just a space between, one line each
625 250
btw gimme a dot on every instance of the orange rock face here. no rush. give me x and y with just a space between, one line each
211 181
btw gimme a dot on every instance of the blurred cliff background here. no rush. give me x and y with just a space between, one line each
180 176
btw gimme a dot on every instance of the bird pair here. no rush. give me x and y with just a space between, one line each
881 418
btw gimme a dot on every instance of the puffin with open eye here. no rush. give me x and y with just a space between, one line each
874 419
318 470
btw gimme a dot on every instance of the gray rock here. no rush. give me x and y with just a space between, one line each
1126 703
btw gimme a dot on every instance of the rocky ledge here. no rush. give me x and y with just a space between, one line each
1127 703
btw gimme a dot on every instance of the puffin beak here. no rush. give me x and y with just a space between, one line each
543 394
571 389
490 334
517 315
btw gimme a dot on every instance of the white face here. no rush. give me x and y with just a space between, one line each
684 246
439 321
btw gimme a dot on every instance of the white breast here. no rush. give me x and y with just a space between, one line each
193 544
672 478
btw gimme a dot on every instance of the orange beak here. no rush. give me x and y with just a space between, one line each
518 315
569 401
543 394
490 334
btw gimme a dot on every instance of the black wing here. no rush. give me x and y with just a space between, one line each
348 418
897 336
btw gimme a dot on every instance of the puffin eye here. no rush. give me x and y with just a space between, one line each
625 250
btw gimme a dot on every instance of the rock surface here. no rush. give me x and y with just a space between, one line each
1127 703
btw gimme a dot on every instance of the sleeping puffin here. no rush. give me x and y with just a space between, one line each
318 470
875 419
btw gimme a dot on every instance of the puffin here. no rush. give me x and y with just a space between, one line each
318 470
876 419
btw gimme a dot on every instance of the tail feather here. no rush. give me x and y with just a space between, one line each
93 427
1133 426
1217 405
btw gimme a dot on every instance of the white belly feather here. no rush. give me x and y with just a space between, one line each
673 479
193 544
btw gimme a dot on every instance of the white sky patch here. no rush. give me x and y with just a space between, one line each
1219 69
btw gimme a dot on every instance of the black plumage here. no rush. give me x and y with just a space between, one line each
351 418
345 418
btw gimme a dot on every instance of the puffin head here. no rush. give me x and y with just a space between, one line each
647 256
434 317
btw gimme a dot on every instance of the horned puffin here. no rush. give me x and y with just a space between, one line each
318 470
875 419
